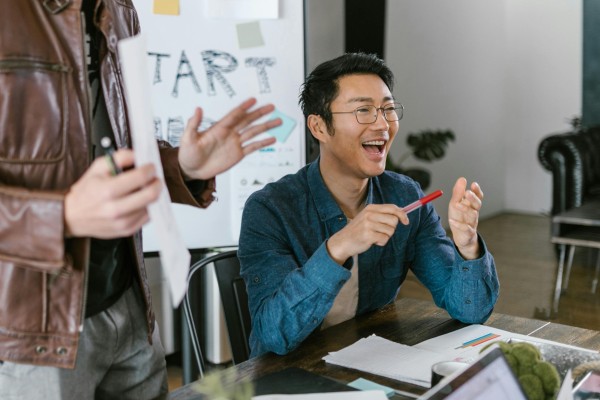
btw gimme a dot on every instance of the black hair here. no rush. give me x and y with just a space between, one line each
322 84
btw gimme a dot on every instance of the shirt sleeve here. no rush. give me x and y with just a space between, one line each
287 299
467 289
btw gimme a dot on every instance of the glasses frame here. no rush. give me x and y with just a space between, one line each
397 106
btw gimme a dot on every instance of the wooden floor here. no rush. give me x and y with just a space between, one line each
526 264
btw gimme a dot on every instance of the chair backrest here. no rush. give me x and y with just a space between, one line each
235 305
234 299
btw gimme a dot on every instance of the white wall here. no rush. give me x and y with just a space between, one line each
543 89
501 74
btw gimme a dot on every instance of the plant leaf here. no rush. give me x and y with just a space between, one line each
429 145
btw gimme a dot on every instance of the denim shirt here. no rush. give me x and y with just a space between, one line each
292 281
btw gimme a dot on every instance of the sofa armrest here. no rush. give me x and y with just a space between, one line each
562 155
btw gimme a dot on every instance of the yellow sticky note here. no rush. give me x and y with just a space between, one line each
166 7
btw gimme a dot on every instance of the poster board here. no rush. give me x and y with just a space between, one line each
215 54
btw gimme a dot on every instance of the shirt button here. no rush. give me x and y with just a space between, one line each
40 349
467 301
61 351
256 279
314 321
465 269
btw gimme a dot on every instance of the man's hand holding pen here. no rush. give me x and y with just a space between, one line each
103 205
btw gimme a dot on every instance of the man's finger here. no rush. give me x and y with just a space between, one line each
233 117
260 128
249 118
458 191
477 190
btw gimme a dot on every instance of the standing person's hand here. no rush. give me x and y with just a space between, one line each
463 217
104 206
203 155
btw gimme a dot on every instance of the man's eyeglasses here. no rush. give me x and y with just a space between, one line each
368 114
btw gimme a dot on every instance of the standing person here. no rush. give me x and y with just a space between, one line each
76 319
331 241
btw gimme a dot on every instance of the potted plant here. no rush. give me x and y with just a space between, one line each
426 145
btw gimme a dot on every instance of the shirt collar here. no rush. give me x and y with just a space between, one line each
326 206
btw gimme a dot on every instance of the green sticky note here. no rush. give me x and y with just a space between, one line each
283 131
249 35
364 384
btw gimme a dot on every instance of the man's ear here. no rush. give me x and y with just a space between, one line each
317 127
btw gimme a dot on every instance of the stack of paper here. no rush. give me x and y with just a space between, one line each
383 357
359 395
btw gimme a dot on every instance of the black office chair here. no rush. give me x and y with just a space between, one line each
234 298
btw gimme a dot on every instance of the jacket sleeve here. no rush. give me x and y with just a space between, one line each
287 299
32 228
467 289
195 193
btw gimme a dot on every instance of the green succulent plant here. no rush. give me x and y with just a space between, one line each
224 385
539 378
425 145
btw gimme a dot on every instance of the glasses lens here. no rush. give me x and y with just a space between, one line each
366 114
393 112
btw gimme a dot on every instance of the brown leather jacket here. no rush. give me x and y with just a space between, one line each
44 149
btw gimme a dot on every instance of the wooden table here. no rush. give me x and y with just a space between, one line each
407 321
575 227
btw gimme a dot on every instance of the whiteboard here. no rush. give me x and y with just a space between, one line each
215 58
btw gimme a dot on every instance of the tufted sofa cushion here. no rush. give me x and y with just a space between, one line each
574 160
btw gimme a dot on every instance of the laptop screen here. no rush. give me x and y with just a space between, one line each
488 378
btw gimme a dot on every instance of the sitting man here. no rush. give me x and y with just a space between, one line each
325 244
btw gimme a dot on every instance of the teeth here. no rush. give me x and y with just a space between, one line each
375 143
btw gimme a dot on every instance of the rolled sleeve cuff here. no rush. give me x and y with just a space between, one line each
478 268
324 272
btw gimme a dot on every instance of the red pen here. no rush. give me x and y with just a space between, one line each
421 202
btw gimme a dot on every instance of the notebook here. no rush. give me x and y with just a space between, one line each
294 380
488 378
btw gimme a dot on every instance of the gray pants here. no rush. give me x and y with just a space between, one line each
114 361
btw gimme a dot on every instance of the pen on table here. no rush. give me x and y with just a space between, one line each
477 341
109 149
422 201
406 394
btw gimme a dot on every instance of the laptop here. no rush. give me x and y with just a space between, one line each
488 378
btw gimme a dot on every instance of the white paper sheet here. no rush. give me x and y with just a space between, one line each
359 395
566 389
386 358
447 344
242 9
174 256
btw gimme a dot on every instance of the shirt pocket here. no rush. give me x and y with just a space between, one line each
33 106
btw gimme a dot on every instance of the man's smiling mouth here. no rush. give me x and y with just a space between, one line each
374 146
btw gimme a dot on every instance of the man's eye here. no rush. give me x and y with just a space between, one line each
363 110
389 108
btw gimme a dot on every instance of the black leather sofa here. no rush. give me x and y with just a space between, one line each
573 158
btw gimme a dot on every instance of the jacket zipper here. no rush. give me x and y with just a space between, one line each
16 64
89 142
